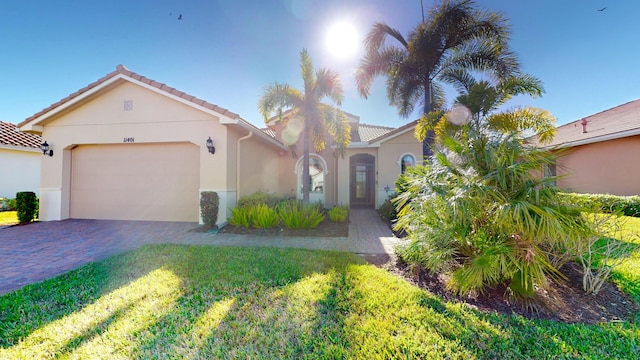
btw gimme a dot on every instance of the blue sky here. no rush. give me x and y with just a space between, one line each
227 51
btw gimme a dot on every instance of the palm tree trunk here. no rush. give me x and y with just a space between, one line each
428 140
305 163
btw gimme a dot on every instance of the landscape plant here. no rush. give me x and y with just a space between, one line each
263 217
209 204
296 215
481 216
26 206
339 213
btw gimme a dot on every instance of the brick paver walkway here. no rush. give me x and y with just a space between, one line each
43 250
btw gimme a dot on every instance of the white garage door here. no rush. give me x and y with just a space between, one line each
135 182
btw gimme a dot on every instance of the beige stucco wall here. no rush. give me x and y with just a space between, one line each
19 170
153 119
259 163
388 162
343 186
608 167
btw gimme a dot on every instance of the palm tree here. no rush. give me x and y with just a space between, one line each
483 99
455 36
293 106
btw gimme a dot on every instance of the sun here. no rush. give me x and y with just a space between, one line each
342 40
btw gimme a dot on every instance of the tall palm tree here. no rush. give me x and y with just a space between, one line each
454 36
292 107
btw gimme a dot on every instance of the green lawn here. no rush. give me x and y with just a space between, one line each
172 301
8 218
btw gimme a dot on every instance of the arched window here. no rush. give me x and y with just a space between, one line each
407 161
317 174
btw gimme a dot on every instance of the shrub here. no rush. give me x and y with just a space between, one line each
388 210
263 217
339 213
260 197
295 215
209 204
26 206
626 205
7 204
240 216
478 214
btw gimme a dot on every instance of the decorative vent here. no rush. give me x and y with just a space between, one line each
128 105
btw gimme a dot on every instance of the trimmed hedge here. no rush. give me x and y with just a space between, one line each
26 206
209 204
626 205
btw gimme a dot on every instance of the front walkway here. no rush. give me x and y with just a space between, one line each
43 250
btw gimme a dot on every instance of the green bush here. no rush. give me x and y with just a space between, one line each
263 217
295 215
605 203
260 197
339 213
209 204
7 204
26 206
388 210
240 216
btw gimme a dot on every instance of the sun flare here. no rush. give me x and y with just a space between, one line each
342 39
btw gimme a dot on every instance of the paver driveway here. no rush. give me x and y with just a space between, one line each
39 251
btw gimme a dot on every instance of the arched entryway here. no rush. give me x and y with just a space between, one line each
362 181
316 181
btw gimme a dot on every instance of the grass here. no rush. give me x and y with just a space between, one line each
177 301
627 274
8 218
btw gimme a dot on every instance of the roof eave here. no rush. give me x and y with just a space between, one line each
614 136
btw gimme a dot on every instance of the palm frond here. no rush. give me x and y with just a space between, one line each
277 98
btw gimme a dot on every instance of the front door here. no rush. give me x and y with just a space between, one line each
362 180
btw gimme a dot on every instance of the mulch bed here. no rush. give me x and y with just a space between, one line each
564 301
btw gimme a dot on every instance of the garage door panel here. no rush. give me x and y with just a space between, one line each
135 182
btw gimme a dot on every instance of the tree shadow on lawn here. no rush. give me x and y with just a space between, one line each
287 303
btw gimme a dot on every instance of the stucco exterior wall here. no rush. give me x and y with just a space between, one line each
389 166
151 118
20 171
259 164
608 167
344 172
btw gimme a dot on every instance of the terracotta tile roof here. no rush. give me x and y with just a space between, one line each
120 69
9 135
607 124
366 132
269 131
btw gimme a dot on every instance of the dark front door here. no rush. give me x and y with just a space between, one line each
362 180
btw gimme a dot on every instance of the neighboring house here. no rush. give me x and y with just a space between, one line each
128 147
20 157
601 152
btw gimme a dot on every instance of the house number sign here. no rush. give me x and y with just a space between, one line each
129 140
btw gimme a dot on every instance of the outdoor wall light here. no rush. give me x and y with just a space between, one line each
45 149
212 149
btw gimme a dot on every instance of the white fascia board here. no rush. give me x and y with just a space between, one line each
20 148
32 128
250 127
360 145
377 143
597 139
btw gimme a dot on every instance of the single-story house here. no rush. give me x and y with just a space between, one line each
20 157
601 152
129 147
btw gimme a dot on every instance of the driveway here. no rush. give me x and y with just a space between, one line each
42 250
